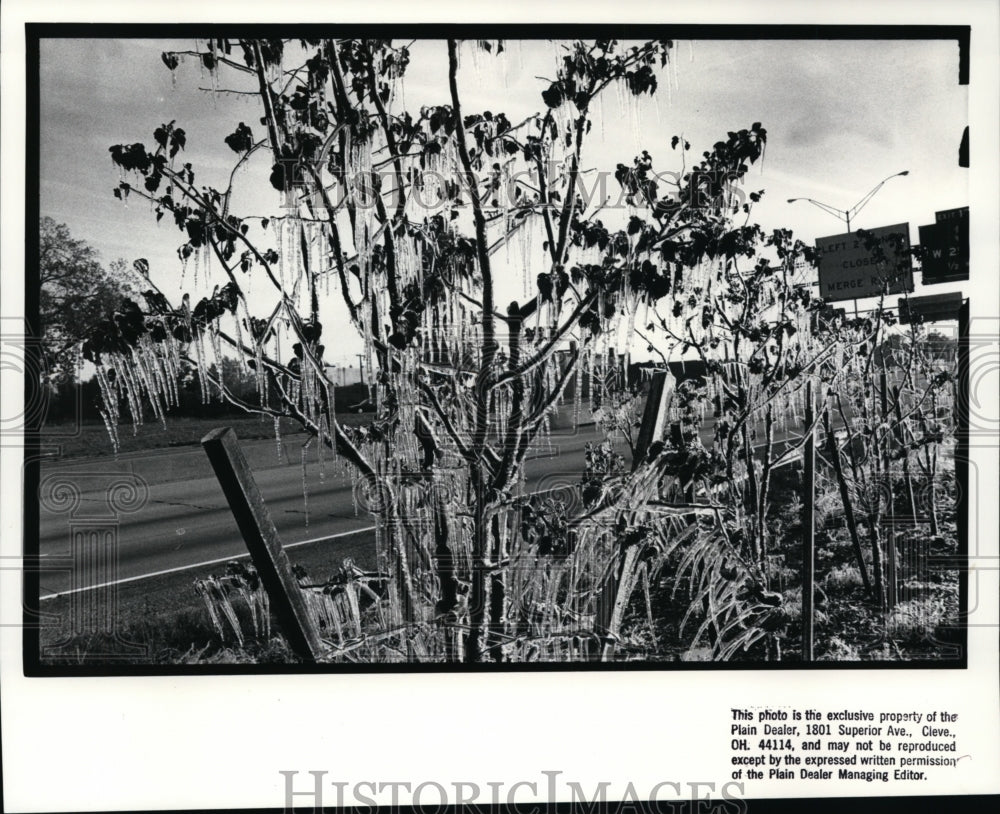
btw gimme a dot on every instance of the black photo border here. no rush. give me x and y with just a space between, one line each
35 32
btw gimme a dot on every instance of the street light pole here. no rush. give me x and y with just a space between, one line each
846 214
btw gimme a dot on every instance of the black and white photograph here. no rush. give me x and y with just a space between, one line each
501 351
395 351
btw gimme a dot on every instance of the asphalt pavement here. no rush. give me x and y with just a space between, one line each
180 519
184 521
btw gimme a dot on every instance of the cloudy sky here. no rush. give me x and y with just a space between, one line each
840 116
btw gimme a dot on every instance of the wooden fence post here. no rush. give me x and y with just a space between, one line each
269 558
654 417
833 450
808 529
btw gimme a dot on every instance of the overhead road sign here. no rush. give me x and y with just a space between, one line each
849 269
933 308
946 247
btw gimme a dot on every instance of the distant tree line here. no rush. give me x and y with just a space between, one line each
69 398
76 293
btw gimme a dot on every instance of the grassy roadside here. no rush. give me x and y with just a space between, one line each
161 620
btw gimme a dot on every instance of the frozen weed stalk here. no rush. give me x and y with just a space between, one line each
391 222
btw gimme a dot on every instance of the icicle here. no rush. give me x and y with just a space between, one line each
324 432
305 484
126 368
277 437
279 229
203 381
207 262
112 429
577 394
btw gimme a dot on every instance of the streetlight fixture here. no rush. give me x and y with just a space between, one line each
846 214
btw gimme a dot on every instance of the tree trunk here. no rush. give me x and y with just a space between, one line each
444 565
845 499
498 590
475 641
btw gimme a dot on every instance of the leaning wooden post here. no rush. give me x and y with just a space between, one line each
654 418
901 443
269 558
808 528
833 450
651 430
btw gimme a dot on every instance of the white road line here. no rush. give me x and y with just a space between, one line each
225 559
200 564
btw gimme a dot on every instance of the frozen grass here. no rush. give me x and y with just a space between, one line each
839 650
915 621
842 579
185 636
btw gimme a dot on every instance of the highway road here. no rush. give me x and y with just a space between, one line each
185 521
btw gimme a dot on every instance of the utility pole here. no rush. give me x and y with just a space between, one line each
808 528
848 214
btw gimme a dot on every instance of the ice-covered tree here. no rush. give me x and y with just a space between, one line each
390 222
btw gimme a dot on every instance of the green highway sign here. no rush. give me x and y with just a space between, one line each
946 247
932 308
